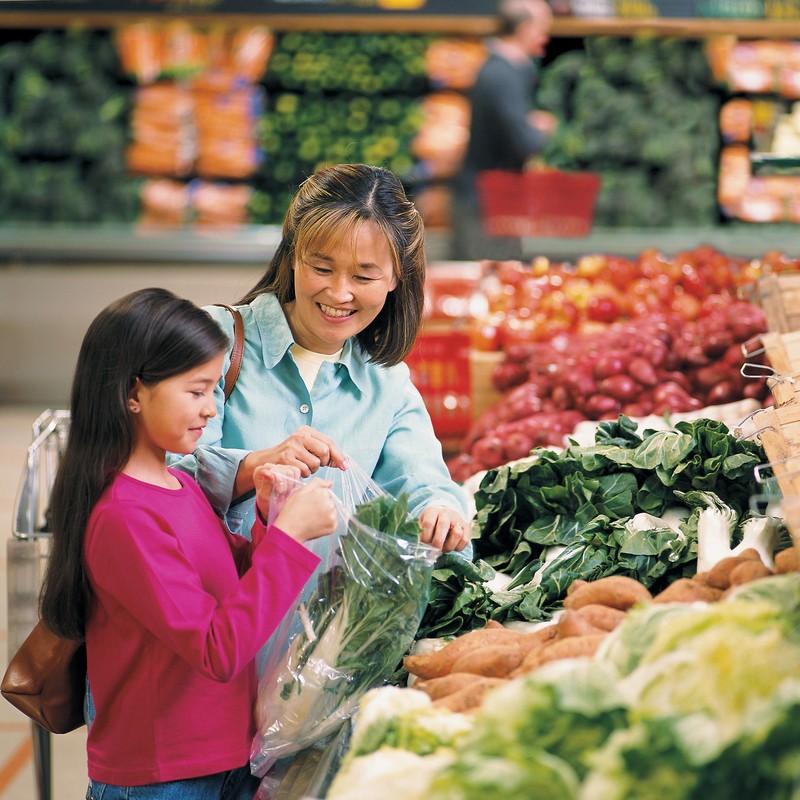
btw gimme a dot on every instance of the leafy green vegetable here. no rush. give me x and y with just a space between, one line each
356 625
605 505
398 717
459 599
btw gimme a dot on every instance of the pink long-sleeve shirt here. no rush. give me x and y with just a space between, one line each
174 631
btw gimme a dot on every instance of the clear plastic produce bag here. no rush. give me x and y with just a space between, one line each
353 623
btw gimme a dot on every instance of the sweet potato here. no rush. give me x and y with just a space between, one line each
575 585
572 623
605 618
719 576
571 647
748 571
469 697
617 591
538 638
440 662
446 684
787 561
493 661
687 590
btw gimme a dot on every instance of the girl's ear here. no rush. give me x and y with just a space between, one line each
133 397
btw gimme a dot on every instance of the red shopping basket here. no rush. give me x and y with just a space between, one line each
547 203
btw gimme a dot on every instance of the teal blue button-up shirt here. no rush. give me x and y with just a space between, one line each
374 414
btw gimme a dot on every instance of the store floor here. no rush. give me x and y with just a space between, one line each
17 779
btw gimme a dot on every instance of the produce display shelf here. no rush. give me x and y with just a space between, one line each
475 25
255 244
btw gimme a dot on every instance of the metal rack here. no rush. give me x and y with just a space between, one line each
27 553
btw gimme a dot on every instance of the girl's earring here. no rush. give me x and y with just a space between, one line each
134 408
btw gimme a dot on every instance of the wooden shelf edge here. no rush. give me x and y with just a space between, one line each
473 25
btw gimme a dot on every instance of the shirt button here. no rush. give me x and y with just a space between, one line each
304 408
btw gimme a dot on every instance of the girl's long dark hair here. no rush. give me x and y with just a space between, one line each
337 200
149 334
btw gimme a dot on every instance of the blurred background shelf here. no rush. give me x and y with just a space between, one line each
255 244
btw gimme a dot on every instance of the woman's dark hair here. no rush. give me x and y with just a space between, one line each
336 201
151 335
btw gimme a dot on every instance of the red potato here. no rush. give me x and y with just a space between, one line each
601 406
642 371
609 364
621 387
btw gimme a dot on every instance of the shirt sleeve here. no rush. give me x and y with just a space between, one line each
142 566
412 460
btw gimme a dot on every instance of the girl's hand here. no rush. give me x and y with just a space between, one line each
309 512
444 528
270 479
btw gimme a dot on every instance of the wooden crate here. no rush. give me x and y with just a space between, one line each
782 351
779 296
778 429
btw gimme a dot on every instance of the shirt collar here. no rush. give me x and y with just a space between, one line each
277 338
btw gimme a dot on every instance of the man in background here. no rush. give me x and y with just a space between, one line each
505 130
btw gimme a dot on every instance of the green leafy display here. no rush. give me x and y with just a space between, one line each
595 511
64 115
642 112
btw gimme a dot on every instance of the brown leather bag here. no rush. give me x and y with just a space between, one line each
237 353
46 680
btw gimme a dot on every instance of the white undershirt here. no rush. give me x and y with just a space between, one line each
309 362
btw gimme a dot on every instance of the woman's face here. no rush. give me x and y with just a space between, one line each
336 298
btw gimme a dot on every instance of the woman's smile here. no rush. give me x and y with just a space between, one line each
330 311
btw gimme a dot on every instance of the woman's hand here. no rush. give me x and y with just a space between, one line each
308 512
444 528
306 449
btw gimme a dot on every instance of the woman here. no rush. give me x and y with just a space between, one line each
326 331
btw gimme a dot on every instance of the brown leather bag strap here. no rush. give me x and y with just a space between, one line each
237 352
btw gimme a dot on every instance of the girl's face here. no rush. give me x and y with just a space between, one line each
336 298
171 414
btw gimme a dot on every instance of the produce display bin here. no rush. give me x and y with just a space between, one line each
440 369
27 552
547 203
779 296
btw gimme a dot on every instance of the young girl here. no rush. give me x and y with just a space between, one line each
172 606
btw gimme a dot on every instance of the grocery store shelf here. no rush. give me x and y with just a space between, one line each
742 240
255 244
74 244
468 24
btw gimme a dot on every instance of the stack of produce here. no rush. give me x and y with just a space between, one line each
194 117
656 506
680 699
654 335
641 112
64 109
336 98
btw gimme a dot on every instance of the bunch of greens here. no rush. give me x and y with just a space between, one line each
459 598
358 622
621 506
